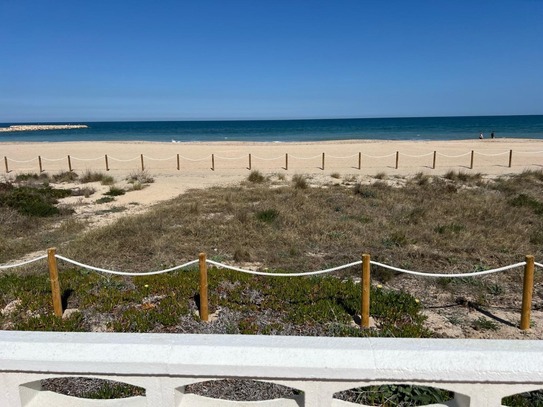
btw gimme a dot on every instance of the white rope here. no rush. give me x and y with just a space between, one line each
304 158
416 156
476 273
24 161
197 159
268 159
231 158
159 159
261 273
124 273
87 159
54 159
453 156
118 159
528 152
538 264
342 158
379 156
9 266
491 155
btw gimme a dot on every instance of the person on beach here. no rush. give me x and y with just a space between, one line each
481 136
492 135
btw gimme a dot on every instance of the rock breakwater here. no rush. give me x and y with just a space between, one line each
38 127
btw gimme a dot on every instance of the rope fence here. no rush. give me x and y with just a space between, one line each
213 157
528 281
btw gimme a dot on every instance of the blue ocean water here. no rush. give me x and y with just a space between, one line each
419 128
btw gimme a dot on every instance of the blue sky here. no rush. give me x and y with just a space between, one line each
176 60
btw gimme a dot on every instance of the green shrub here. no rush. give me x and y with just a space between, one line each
256 177
115 191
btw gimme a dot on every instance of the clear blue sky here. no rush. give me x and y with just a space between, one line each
159 60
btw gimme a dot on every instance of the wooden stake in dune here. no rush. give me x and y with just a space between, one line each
471 161
107 163
250 163
69 164
286 162
434 161
359 161
178 166
203 287
55 285
322 161
212 162
510 158
366 285
39 162
397 158
527 293
6 162
142 166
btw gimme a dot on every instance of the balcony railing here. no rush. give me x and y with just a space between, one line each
478 372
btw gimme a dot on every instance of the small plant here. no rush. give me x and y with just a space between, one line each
335 175
141 177
363 190
256 177
300 181
65 176
267 216
381 175
115 191
104 199
484 324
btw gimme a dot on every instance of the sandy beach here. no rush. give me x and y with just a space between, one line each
178 167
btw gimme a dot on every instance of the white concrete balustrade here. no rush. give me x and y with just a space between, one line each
479 372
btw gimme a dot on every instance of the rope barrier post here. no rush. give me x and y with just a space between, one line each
286 161
434 162
366 284
55 286
397 158
6 162
323 161
359 161
39 161
510 158
178 167
471 162
203 287
527 293
69 164
250 164
107 164
142 166
212 162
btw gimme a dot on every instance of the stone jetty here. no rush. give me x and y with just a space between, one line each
37 127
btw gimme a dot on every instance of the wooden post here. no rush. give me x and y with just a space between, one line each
510 158
397 158
203 287
471 162
527 293
434 162
212 162
323 161
6 162
359 161
55 286
142 166
250 164
107 164
366 285
39 161
69 164
286 161
178 167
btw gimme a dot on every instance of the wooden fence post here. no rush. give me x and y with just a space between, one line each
6 162
359 161
250 163
323 161
527 293
366 286
510 158
397 158
142 166
471 162
434 162
55 285
286 161
39 161
212 162
107 163
69 164
178 167
203 287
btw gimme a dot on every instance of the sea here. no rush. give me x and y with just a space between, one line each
409 128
